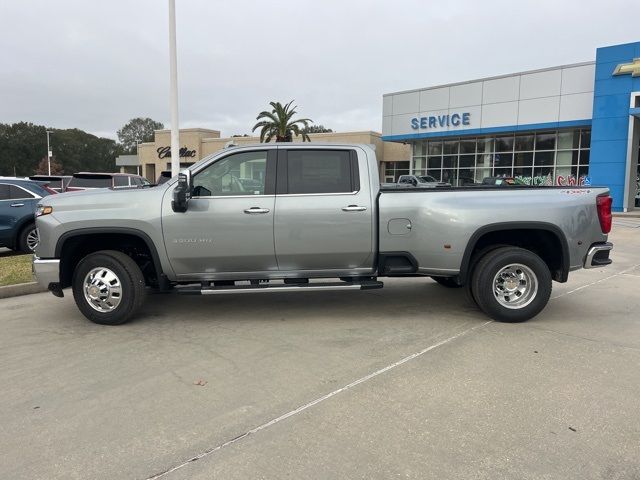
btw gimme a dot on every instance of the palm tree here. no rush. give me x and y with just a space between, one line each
279 123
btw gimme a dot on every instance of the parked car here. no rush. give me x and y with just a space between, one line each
318 214
18 200
164 177
502 181
421 181
90 180
55 182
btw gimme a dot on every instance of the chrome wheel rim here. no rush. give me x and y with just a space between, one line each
102 289
515 286
32 239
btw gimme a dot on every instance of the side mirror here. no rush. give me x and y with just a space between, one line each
182 192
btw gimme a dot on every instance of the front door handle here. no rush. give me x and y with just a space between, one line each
354 208
256 210
17 205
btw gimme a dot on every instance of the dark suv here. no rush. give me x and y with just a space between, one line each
89 180
18 200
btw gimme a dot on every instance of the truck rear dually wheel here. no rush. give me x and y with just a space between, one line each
108 287
511 284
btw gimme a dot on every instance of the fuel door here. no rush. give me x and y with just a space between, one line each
399 226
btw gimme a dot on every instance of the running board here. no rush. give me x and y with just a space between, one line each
266 288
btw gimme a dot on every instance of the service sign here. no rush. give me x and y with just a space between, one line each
441 122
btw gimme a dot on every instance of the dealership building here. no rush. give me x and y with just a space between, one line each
574 124
154 157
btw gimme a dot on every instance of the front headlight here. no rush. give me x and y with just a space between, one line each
43 210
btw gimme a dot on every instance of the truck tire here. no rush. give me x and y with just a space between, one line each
448 282
28 238
511 284
108 287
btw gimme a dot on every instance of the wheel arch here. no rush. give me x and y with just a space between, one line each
527 235
73 245
20 226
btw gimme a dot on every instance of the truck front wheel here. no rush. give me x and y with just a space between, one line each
108 287
511 284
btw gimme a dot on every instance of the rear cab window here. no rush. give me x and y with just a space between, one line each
318 171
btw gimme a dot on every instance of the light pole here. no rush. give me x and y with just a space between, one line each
173 87
48 153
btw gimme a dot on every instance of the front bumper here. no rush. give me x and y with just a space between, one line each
598 255
46 272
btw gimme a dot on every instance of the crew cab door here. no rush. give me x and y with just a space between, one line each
228 225
324 211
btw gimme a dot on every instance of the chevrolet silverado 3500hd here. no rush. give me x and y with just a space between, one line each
302 217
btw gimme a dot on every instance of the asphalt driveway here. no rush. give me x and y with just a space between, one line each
409 381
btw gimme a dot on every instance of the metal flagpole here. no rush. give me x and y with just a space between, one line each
173 67
48 154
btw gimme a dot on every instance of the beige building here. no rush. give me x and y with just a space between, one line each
196 143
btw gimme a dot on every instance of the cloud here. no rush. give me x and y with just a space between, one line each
94 65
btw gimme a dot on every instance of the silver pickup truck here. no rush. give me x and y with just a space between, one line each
301 217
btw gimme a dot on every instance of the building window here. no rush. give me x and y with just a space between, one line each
393 170
537 158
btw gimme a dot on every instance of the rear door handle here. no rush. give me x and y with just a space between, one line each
256 210
17 205
354 208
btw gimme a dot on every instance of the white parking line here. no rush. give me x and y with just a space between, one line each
623 272
316 401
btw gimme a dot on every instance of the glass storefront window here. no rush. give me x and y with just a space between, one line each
451 147
585 138
502 160
523 159
567 157
502 172
435 173
524 143
467 146
504 144
467 161
434 162
435 148
450 162
546 141
419 149
544 158
569 140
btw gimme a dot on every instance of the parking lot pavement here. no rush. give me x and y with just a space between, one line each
409 381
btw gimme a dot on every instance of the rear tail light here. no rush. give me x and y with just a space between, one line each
603 203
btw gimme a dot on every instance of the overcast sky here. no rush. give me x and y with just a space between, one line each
95 64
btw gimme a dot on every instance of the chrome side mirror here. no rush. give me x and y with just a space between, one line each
182 192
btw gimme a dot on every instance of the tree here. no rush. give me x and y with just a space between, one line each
279 123
23 144
316 129
43 167
135 131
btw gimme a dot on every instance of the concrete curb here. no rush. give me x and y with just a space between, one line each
21 289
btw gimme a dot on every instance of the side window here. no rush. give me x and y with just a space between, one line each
4 191
120 181
238 174
321 171
16 193
136 181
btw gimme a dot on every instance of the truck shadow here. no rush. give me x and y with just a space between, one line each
407 298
